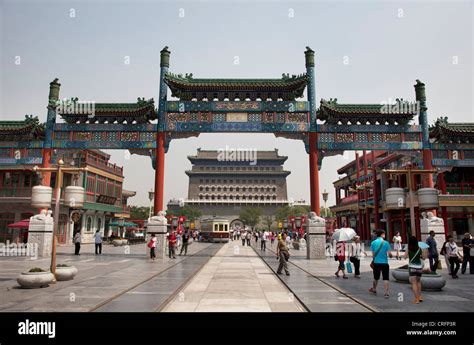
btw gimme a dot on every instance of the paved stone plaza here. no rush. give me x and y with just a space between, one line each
215 277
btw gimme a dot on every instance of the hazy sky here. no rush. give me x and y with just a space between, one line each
86 44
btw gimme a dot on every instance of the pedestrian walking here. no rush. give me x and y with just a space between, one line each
467 246
341 258
381 252
257 235
77 243
249 237
433 255
152 245
283 255
263 240
452 251
238 235
415 267
272 238
184 246
355 255
98 243
244 238
444 253
397 244
172 245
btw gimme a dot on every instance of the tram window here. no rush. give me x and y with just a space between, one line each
216 227
221 227
226 227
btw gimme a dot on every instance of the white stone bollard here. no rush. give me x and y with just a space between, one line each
315 237
428 223
157 225
40 232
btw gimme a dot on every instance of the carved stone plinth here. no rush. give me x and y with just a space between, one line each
157 225
431 223
40 233
316 237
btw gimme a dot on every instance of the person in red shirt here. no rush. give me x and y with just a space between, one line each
341 257
172 245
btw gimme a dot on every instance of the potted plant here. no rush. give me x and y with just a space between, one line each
65 272
117 241
35 278
429 280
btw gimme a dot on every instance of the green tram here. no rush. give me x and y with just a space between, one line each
215 229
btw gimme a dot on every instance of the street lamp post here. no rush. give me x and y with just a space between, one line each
325 199
59 170
151 196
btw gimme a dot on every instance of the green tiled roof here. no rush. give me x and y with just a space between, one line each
332 111
141 111
287 86
443 131
28 128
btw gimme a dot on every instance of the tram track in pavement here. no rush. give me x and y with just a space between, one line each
211 250
309 274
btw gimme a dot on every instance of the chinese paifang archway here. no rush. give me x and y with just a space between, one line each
235 106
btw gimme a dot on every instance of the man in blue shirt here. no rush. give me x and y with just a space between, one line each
381 252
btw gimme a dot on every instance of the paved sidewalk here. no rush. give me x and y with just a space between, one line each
99 278
456 296
235 280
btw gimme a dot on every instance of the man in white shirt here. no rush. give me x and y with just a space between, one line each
77 243
263 241
98 242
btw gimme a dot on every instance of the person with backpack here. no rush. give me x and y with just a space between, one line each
415 267
381 252
184 246
152 245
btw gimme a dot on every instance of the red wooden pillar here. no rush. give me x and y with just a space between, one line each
366 196
444 210
427 178
404 226
314 173
47 153
159 172
376 193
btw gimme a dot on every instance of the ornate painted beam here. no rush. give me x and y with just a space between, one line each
236 106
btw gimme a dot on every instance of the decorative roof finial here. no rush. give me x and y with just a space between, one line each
309 56
165 57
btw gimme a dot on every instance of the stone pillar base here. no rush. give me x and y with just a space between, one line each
157 226
40 233
436 225
315 237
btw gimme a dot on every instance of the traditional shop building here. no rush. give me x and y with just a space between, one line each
103 183
360 192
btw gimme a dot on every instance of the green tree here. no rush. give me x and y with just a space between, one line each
191 213
139 212
250 216
282 213
268 221
299 210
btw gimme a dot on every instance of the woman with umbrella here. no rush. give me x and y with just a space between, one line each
341 236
